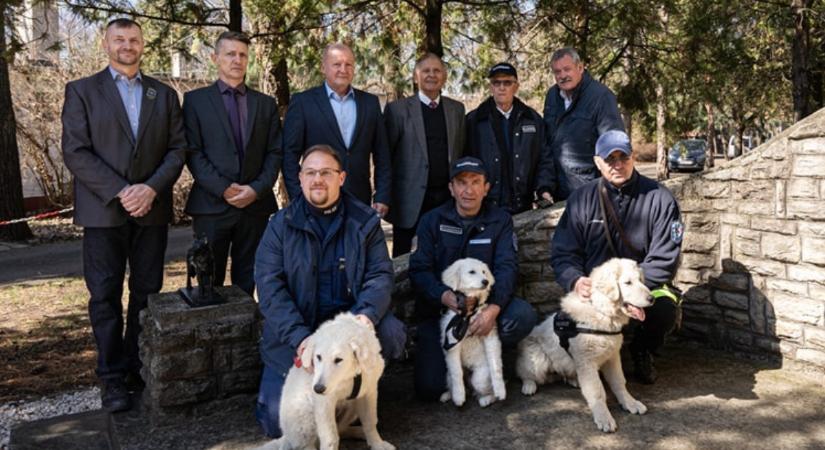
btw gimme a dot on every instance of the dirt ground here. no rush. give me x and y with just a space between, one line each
46 343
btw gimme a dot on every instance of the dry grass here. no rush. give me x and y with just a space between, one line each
46 342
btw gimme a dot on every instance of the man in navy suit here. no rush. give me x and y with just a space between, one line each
233 134
348 120
124 143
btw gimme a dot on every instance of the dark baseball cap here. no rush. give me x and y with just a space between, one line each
467 164
611 141
502 68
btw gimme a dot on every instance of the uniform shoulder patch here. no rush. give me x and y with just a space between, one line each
677 231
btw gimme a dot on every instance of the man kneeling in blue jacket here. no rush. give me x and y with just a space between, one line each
323 254
464 228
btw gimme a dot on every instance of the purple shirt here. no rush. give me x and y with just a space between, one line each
242 109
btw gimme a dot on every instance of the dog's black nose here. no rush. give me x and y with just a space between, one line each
319 388
484 283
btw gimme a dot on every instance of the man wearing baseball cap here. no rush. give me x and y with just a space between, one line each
623 214
508 136
464 227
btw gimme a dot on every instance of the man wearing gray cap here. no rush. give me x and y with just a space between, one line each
508 136
623 214
464 227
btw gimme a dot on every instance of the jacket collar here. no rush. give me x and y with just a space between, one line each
449 212
486 108
630 187
356 212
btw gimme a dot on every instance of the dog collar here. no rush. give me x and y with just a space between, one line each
356 387
460 323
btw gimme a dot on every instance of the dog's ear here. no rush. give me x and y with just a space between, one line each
606 279
361 353
309 350
451 277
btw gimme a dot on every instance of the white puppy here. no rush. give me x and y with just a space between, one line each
346 359
481 354
618 294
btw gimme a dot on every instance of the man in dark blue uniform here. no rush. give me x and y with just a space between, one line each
464 227
644 225
323 254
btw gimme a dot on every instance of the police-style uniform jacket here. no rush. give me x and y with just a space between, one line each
443 239
572 132
287 267
649 215
525 171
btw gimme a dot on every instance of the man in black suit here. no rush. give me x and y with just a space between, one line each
233 135
348 120
123 141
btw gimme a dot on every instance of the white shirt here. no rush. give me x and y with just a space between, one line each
567 100
506 114
426 100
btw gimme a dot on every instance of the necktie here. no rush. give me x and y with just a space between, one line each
235 121
433 105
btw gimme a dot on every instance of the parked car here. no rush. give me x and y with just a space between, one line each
687 154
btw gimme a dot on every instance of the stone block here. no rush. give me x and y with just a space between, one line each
813 251
731 300
180 365
808 165
701 311
788 349
773 225
803 188
740 319
736 282
780 247
766 344
811 356
534 253
715 189
529 272
697 329
757 311
761 266
170 312
184 392
816 291
780 199
725 243
746 242
761 191
806 272
822 189
797 308
246 356
730 218
769 170
734 173
806 209
814 146
754 207
239 381
542 291
787 286
527 236
701 223
697 261
816 229
814 338
700 242
698 294
688 276
222 331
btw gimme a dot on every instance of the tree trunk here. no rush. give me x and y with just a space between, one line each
235 15
661 150
432 25
799 59
710 153
11 184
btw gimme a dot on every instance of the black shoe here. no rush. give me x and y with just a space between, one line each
114 397
134 382
643 369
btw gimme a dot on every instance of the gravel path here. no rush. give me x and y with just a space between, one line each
16 412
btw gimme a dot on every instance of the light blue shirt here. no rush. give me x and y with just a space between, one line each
131 92
345 112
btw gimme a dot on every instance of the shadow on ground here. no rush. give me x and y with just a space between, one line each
704 399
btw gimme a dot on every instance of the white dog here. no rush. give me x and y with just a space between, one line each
481 354
346 359
618 294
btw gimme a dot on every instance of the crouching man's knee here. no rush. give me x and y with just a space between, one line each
392 334
516 321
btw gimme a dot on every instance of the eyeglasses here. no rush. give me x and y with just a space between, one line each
326 174
610 160
505 83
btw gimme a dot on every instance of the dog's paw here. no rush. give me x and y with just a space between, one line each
486 400
500 393
528 387
459 396
445 397
383 445
604 421
635 407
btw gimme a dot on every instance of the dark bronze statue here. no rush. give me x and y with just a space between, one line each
200 264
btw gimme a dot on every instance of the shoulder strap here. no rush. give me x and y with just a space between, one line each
609 214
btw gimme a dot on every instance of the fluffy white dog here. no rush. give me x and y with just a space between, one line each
346 358
594 338
481 354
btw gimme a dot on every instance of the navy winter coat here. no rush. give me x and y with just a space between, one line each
442 240
286 271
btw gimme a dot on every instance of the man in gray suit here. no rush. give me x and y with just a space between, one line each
123 141
233 135
426 135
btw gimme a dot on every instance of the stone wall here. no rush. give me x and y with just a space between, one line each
753 262
194 358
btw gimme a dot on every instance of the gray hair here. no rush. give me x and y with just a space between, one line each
335 46
429 55
566 51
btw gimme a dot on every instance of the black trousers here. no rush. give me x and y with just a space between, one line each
402 237
660 320
234 233
106 252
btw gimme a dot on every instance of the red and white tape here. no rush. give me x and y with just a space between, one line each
36 217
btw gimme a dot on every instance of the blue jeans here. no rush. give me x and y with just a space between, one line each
392 335
514 324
